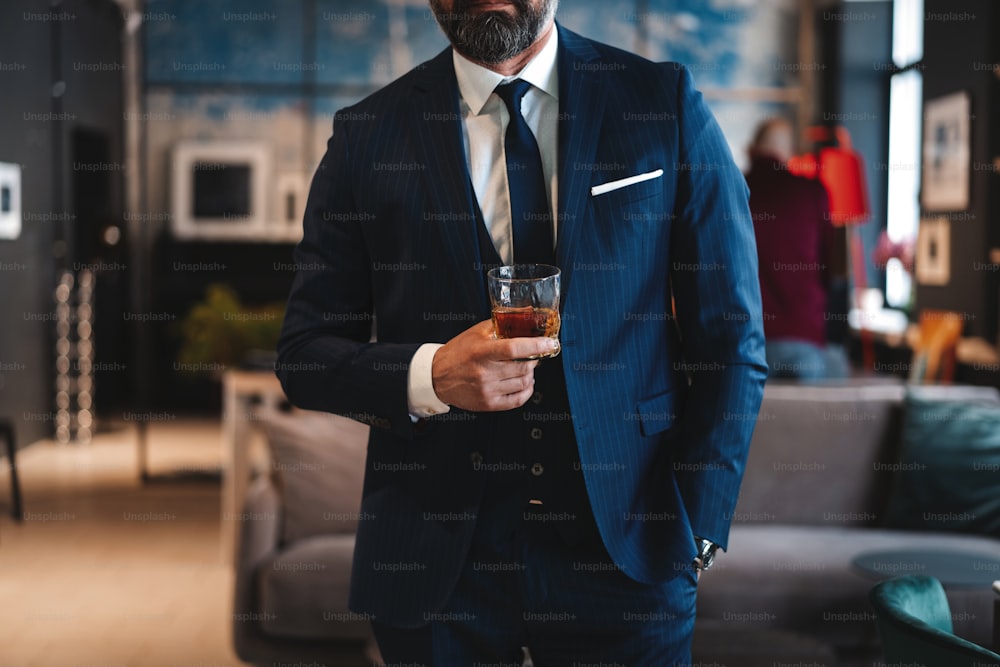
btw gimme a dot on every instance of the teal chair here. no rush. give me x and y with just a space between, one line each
914 621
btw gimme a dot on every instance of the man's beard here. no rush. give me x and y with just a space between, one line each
493 37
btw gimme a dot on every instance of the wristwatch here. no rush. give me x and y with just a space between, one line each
706 554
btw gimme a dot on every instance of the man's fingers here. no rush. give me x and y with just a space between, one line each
511 401
506 370
521 397
523 348
503 349
476 371
514 385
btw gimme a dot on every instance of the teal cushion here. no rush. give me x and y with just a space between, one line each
915 600
914 622
949 473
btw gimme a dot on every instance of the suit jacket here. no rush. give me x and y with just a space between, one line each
663 407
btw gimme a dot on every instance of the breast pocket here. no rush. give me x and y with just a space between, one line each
631 223
638 203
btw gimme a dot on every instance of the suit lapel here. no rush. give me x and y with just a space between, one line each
437 127
581 108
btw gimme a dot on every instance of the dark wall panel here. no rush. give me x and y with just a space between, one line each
60 72
960 53
27 132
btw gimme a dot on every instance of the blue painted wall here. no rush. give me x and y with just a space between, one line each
277 70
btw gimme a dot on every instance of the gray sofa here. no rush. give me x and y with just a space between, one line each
822 470
819 479
296 544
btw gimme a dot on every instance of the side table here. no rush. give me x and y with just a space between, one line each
242 391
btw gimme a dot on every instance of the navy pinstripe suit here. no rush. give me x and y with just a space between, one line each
662 410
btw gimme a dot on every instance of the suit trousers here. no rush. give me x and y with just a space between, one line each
570 605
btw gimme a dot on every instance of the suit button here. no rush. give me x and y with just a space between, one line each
476 458
536 398
537 469
536 433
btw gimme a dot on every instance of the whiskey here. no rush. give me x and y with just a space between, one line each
526 322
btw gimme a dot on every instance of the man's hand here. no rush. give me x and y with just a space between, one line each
475 371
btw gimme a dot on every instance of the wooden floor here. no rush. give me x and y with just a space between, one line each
107 571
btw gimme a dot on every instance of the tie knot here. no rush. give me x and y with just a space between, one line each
511 93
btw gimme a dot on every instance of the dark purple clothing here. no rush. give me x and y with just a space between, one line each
791 219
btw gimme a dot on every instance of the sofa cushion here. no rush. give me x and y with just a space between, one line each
318 466
816 453
801 579
302 591
948 475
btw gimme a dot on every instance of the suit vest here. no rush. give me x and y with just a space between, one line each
535 479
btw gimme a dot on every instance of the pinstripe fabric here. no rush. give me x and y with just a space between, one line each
570 606
662 410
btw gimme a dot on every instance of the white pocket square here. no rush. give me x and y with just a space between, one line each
624 182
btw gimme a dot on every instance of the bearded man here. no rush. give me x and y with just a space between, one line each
565 505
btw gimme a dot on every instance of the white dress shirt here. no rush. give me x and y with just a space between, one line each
484 124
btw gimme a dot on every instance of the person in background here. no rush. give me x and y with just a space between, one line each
795 243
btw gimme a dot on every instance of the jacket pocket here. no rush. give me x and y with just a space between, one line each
630 193
656 414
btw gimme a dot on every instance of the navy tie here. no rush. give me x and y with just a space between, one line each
530 216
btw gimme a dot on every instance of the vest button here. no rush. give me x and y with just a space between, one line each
537 469
536 433
476 458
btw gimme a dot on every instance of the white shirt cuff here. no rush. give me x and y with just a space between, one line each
422 401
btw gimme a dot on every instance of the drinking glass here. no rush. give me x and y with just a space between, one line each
525 299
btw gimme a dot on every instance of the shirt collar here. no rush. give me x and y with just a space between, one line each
476 83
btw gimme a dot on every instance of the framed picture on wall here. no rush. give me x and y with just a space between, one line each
10 200
946 158
219 190
933 260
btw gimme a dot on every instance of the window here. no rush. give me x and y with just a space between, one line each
905 120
